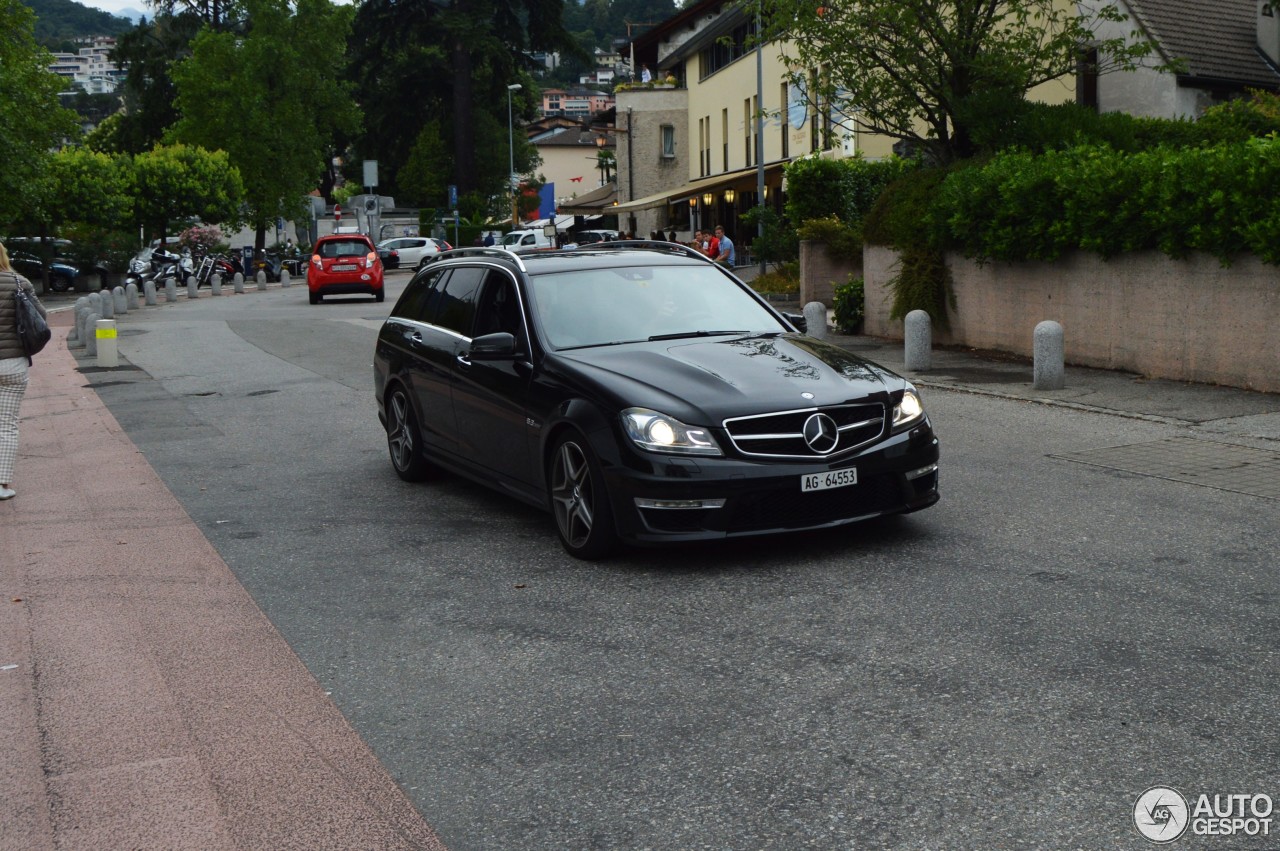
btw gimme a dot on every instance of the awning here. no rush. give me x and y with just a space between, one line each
695 187
591 202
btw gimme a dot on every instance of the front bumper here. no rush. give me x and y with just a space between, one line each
895 476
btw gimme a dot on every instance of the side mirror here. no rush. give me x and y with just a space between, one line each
798 320
497 346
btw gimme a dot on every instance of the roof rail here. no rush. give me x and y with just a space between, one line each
652 244
485 251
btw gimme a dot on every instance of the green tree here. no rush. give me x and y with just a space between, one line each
272 99
91 187
928 71
32 122
419 61
177 183
149 51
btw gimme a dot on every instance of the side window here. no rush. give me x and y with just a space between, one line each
499 308
458 304
421 297
528 239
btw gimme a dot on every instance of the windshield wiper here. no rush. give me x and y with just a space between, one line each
682 334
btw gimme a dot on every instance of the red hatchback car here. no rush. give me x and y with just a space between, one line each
344 264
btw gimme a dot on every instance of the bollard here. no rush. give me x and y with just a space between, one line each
108 304
285 279
82 316
261 278
120 303
131 296
170 289
215 284
105 331
238 282
815 320
149 293
918 341
1048 371
91 334
193 288
74 339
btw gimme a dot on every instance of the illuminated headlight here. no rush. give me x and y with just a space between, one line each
660 433
908 411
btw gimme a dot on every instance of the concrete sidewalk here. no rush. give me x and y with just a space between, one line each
145 700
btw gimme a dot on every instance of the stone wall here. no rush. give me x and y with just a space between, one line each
820 272
1185 320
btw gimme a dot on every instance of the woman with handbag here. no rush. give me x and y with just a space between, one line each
13 369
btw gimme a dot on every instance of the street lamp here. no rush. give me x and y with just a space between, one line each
511 152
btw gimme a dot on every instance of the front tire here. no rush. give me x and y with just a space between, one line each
580 500
60 283
404 439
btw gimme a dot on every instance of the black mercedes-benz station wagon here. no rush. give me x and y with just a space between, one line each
642 394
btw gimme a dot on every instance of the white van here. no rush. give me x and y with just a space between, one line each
527 238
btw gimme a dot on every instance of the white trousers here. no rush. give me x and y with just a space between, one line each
13 383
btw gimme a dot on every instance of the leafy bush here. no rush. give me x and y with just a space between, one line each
819 188
778 244
850 305
841 240
785 280
1218 199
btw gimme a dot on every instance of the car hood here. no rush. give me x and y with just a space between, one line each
706 380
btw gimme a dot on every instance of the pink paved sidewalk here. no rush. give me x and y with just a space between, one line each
145 700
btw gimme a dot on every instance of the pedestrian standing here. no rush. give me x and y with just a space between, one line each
645 75
726 253
13 369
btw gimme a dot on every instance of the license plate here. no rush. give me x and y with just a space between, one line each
827 481
342 268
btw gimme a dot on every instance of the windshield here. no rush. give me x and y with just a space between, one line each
514 237
606 306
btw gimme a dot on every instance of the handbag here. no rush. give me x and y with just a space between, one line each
33 330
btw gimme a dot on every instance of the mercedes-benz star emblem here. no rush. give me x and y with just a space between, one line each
821 434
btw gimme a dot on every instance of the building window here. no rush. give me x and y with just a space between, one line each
724 138
668 133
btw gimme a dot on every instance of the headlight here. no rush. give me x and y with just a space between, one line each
908 411
660 433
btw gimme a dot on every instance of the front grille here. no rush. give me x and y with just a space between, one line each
781 435
787 508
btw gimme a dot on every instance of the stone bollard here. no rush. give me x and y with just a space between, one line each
149 293
261 278
74 340
105 332
215 284
285 279
82 316
108 304
237 282
1048 371
815 320
120 303
131 295
918 341
170 289
91 334
193 288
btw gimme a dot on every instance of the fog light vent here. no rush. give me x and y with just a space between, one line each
679 504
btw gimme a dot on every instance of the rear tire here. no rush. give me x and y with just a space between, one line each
404 439
380 295
315 297
579 500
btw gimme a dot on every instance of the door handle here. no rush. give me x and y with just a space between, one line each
464 360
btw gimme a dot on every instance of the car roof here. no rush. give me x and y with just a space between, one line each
599 255
330 237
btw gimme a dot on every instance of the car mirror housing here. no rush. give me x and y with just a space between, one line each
798 320
497 346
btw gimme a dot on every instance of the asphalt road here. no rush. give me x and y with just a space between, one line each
1009 669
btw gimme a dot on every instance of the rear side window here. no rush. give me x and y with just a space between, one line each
421 297
458 305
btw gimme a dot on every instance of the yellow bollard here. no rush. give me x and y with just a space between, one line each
105 331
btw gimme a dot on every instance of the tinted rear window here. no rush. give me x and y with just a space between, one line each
344 248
